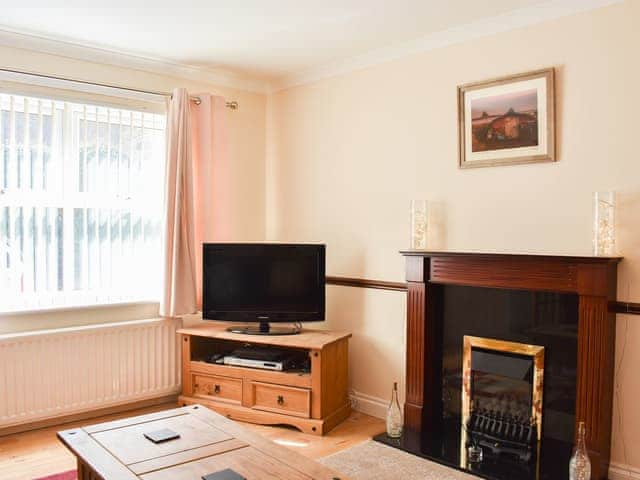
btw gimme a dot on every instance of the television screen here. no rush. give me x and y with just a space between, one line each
263 282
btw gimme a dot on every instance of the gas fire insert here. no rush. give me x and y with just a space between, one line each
501 399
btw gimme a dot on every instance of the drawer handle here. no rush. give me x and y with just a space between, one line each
216 389
280 400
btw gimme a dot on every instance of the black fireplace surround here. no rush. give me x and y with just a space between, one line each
537 318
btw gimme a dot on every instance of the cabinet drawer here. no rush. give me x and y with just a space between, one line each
219 388
280 399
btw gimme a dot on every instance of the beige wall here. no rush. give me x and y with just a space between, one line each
245 175
347 154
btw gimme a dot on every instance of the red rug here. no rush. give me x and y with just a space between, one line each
70 475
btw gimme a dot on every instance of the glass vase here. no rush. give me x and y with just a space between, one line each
604 239
474 453
580 465
394 415
418 224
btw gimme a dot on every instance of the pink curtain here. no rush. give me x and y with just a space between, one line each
210 159
196 150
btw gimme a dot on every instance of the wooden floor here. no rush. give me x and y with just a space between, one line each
38 453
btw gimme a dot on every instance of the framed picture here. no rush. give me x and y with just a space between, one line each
507 121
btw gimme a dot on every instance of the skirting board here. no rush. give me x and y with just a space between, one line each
618 471
368 404
90 414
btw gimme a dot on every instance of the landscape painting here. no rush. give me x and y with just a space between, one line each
507 121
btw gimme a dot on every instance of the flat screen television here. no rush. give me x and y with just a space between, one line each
263 283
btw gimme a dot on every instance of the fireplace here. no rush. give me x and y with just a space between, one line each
508 353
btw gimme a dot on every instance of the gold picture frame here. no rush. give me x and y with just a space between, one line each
507 121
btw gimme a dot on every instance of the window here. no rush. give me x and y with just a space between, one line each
81 193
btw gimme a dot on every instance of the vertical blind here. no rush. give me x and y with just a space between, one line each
81 193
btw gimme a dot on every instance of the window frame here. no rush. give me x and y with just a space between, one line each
67 196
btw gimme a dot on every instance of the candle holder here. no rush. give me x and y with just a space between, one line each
419 214
604 233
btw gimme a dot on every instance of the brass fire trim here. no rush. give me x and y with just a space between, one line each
535 351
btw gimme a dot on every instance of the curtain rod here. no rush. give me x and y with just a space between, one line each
233 105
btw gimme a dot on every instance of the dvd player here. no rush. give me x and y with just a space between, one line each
254 363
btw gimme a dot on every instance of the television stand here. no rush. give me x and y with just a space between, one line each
312 396
264 329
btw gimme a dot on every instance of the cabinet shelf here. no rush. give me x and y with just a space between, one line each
292 378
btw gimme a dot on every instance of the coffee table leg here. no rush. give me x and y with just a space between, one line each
85 472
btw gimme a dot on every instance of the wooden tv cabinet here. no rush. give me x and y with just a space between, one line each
313 401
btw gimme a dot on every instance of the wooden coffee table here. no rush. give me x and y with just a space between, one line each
208 443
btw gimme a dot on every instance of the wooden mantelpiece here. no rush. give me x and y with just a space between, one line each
593 279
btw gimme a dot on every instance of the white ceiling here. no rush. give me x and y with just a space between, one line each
268 39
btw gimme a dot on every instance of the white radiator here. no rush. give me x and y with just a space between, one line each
73 370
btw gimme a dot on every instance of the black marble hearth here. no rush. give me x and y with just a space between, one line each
444 448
